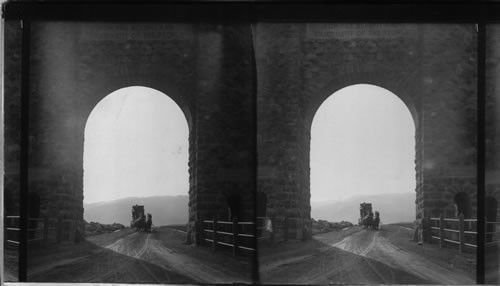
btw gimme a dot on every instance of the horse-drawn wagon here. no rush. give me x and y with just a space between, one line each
139 221
366 218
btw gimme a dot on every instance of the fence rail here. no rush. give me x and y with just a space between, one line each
235 234
456 231
491 233
12 228
40 230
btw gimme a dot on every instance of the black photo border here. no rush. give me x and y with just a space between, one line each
481 13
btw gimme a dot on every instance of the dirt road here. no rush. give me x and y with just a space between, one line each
363 257
139 257
373 245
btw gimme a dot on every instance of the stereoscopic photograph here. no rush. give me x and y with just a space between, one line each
249 152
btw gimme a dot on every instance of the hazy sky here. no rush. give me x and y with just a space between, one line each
362 142
136 145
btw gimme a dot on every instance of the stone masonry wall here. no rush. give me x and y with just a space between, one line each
492 156
493 112
206 69
209 71
431 68
12 116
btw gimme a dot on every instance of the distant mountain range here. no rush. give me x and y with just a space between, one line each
392 207
174 209
164 209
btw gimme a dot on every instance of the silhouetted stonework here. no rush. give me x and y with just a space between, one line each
492 125
206 69
12 117
492 134
431 68
209 71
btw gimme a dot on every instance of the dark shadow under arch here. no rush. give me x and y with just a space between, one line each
462 205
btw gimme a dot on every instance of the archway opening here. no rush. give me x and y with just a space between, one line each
462 205
234 207
363 151
136 153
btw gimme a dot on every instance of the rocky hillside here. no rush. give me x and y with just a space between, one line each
322 226
94 228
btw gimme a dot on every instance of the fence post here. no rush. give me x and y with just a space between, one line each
214 238
441 230
285 231
46 231
461 239
235 236
426 229
273 228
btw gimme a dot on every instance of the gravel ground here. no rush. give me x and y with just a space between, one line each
138 257
358 256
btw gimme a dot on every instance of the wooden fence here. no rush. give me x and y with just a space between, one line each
454 231
237 235
492 235
12 229
41 231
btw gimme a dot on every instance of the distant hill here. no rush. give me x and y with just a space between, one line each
164 209
174 209
392 207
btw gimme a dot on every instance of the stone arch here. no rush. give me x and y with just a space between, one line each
387 97
301 64
99 80
169 108
179 100
403 92
401 85
199 67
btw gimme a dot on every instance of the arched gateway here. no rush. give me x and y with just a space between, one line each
209 71
432 70
206 69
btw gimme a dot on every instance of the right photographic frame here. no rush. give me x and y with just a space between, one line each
492 154
367 153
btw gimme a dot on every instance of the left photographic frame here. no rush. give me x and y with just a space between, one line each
127 144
